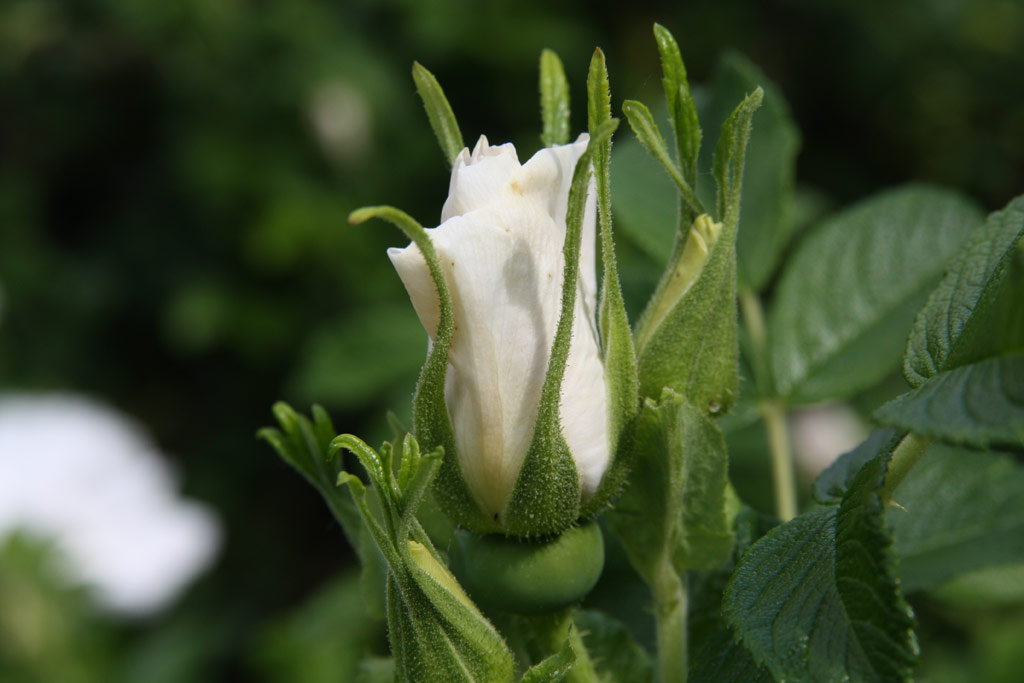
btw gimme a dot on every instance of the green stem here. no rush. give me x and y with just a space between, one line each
773 412
549 633
904 457
670 606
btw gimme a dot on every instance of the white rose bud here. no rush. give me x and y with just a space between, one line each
500 245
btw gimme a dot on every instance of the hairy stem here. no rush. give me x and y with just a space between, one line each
904 457
773 412
670 607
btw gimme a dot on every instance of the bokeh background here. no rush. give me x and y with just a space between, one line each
174 183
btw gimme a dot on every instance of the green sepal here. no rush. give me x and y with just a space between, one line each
613 322
554 100
681 107
730 152
546 495
436 632
431 421
687 336
649 135
442 118
555 667
675 509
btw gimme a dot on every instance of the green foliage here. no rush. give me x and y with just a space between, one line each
553 668
846 298
818 597
674 508
442 118
964 357
974 313
554 100
618 659
960 510
304 444
323 641
980 404
436 631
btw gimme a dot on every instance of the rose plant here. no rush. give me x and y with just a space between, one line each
547 430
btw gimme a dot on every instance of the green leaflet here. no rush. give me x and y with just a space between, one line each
961 510
442 118
674 507
766 206
554 100
436 632
430 412
847 296
980 405
965 355
681 108
546 496
974 313
817 598
613 323
723 660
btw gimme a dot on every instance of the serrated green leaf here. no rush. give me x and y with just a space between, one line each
442 118
554 100
674 506
975 312
617 657
817 598
980 405
961 510
766 207
847 296
613 323
546 495
649 135
681 108
723 660
832 484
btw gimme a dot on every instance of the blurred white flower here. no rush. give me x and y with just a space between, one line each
88 478
500 245
824 432
342 119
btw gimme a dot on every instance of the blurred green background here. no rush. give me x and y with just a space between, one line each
175 179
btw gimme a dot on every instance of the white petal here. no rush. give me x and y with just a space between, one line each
480 178
503 263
